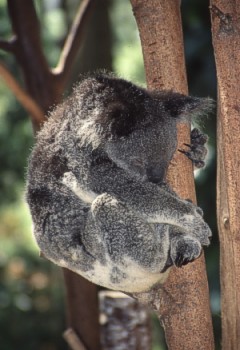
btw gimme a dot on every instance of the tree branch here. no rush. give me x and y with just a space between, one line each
73 41
124 322
47 90
28 103
29 53
73 340
182 304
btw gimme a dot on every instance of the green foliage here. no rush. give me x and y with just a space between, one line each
31 302
15 143
127 52
31 289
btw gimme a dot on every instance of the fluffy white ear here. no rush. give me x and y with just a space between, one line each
192 107
182 106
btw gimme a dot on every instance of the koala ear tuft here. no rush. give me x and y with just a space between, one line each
192 107
182 106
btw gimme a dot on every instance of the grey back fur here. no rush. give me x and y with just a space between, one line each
96 185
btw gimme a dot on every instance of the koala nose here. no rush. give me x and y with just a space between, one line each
155 174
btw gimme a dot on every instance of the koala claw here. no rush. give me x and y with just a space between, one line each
197 150
184 249
198 138
181 260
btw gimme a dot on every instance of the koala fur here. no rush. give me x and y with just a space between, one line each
99 202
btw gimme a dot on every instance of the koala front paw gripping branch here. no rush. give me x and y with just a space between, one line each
96 184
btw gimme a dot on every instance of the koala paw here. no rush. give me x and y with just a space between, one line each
184 249
199 211
196 208
197 151
194 224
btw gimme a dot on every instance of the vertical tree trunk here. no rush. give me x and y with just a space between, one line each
184 306
82 309
125 324
226 42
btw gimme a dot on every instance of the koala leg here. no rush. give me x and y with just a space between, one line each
127 237
58 226
197 151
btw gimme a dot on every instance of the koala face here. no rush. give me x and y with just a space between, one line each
145 153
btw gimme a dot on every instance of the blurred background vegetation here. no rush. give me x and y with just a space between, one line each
31 289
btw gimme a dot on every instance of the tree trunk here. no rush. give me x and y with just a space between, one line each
125 324
226 42
46 88
82 309
183 308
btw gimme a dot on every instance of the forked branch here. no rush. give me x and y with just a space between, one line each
73 41
45 86
28 103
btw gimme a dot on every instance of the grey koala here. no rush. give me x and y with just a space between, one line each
96 184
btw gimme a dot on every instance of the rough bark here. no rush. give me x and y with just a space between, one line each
125 324
226 42
46 87
183 303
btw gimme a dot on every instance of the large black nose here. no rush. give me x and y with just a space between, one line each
155 174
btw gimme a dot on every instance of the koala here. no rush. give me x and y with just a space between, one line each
96 187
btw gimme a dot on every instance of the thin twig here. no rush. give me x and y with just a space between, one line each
28 103
73 340
73 40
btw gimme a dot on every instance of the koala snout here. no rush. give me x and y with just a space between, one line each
155 174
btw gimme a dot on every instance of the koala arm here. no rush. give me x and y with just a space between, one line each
148 200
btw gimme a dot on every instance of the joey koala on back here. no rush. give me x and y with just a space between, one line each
96 184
